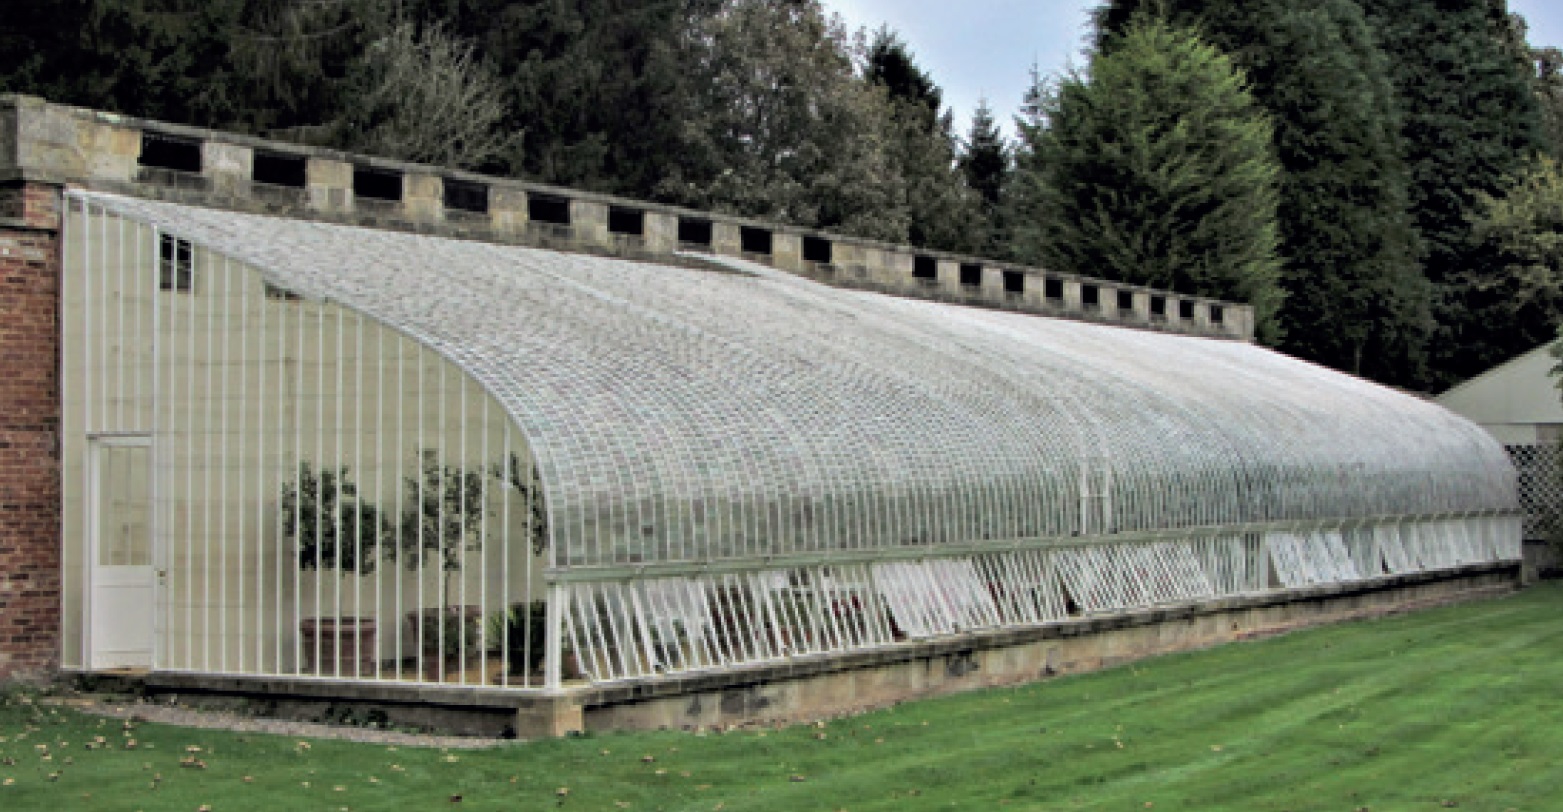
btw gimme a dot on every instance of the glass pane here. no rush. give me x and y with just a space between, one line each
124 498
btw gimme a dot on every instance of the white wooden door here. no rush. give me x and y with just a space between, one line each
120 634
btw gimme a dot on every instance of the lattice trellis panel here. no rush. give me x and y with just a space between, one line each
1541 485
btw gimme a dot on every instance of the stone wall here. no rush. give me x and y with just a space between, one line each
798 693
810 688
29 431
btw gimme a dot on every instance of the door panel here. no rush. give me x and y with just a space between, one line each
122 554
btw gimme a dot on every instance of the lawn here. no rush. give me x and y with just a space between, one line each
1451 708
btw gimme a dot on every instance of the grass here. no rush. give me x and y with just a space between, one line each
1451 708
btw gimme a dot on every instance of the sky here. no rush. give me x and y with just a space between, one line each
986 48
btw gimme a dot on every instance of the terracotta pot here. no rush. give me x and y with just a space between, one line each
347 646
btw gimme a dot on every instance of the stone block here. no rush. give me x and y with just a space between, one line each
507 211
423 198
661 232
228 166
1074 302
550 717
726 239
589 219
1142 307
787 251
330 185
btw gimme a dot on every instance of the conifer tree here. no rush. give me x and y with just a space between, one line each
1470 122
1157 168
985 163
1356 299
942 212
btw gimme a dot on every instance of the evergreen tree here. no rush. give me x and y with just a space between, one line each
163 59
1020 207
891 65
1356 299
1157 168
985 158
985 163
943 213
1470 121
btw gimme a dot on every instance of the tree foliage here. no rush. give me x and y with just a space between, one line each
1470 122
985 162
424 96
1518 278
1549 93
762 108
941 210
778 125
1157 168
1355 297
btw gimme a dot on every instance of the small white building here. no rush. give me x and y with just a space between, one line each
1519 404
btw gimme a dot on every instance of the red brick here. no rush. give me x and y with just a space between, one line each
29 434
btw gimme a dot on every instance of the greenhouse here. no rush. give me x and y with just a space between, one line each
294 448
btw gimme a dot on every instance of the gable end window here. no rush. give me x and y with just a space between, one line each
175 264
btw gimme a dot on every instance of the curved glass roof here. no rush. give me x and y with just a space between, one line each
741 412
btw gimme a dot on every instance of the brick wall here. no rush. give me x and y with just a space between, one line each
29 432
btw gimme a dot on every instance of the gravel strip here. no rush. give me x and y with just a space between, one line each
180 716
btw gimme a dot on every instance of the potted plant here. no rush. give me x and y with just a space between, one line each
442 522
522 635
333 530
